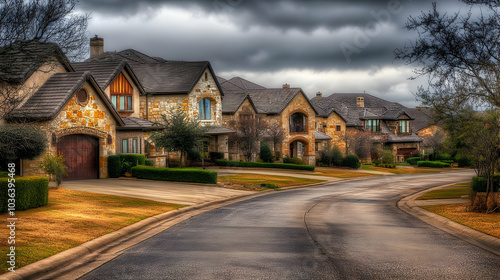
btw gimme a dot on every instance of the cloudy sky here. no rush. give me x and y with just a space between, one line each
318 45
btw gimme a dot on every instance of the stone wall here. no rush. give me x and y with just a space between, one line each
329 127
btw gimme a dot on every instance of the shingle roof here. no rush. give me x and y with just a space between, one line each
51 97
157 75
133 123
273 101
422 118
232 101
220 130
19 61
321 136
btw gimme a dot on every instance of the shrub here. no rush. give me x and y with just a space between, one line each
287 159
277 155
193 155
390 165
4 174
413 160
21 141
176 175
215 156
114 166
149 162
443 157
464 161
435 164
31 192
297 161
479 184
265 153
54 166
265 165
331 157
447 161
133 159
387 156
351 161
376 162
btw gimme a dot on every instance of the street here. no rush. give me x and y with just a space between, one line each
348 230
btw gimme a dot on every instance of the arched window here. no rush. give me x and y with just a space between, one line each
204 109
298 123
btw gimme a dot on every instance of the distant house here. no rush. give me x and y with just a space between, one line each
289 107
390 124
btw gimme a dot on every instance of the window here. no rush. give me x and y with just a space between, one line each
339 128
372 125
134 146
404 126
316 147
124 146
121 93
298 122
82 97
204 109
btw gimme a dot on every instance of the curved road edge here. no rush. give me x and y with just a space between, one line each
482 240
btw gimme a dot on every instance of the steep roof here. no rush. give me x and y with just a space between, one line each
49 99
422 118
160 76
105 72
233 100
273 101
20 60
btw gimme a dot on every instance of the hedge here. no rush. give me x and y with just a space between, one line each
413 160
264 165
133 159
215 155
464 162
479 184
175 175
4 174
435 164
115 166
31 192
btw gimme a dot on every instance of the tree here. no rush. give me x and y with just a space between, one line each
55 167
357 142
276 134
265 153
250 130
459 54
179 134
20 142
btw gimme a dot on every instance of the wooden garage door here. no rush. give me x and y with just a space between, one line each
81 154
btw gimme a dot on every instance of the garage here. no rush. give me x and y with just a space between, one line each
81 154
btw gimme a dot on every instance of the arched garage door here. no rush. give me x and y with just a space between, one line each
81 154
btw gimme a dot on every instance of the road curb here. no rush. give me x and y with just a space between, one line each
482 240
48 265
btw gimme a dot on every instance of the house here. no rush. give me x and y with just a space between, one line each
390 123
288 107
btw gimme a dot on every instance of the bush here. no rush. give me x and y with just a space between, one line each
114 166
435 164
387 156
413 160
4 174
390 165
464 162
21 141
447 161
443 157
479 184
175 175
265 165
193 155
287 159
265 153
376 162
149 162
54 166
331 157
215 156
133 159
351 161
31 192
297 161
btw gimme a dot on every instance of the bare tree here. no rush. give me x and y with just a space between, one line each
250 130
276 134
357 142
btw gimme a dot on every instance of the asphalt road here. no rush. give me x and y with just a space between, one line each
350 230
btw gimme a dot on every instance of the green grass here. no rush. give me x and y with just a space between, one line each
455 191
254 181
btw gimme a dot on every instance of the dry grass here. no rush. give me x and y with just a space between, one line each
70 219
253 181
487 223
341 173
445 193
403 170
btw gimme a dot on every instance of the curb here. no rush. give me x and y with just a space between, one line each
60 260
482 240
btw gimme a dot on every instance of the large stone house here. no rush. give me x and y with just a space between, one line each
288 107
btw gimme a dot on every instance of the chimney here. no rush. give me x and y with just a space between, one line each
286 86
360 102
319 95
96 46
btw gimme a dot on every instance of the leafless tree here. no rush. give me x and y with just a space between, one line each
276 134
357 142
250 130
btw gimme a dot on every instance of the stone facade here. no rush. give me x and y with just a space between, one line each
333 126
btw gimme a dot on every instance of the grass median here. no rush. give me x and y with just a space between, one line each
72 218
254 182
342 174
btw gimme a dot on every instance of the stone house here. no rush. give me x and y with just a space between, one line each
390 124
288 107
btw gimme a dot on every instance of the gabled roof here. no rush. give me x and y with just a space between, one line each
48 101
160 76
422 118
233 100
273 101
105 72
20 60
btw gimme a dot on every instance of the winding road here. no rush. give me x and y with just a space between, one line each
347 230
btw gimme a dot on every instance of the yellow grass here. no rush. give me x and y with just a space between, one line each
253 181
341 173
399 170
70 219
487 223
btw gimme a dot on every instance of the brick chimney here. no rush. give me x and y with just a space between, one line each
319 94
96 46
360 102
286 86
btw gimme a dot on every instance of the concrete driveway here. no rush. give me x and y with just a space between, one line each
172 192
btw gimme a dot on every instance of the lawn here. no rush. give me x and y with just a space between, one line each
340 173
253 181
487 223
403 170
454 191
70 219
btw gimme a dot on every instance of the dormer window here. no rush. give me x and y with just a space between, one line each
121 93
372 125
404 126
204 109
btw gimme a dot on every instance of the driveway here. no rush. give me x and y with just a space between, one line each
172 192
348 230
